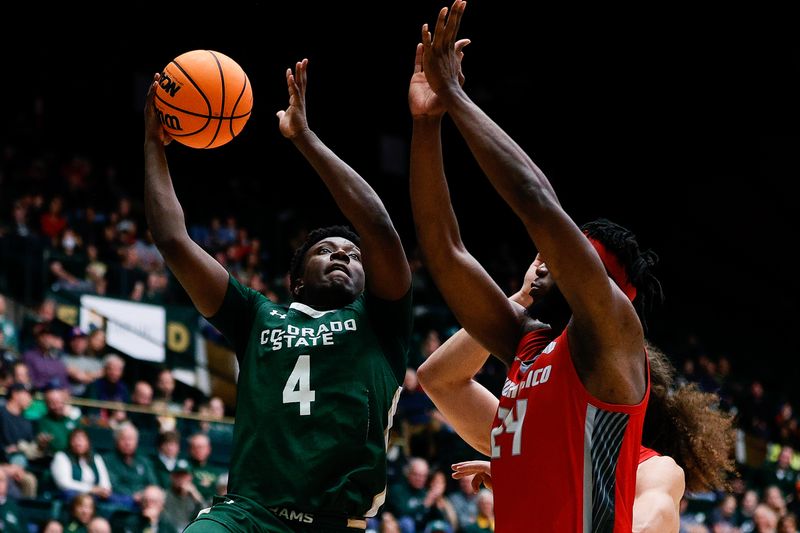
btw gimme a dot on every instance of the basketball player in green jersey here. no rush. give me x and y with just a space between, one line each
319 380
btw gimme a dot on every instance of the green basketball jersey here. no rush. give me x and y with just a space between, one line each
316 395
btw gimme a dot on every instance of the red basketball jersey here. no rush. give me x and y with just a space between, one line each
562 460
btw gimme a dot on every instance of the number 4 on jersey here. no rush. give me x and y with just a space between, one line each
298 386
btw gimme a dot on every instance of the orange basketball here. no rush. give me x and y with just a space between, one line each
203 99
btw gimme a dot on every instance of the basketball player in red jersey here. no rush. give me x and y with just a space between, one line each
565 441
681 422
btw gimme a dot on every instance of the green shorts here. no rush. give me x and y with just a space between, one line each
233 513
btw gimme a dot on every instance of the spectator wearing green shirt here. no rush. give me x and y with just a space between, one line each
55 426
129 472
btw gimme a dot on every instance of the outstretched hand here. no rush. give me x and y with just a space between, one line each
292 121
481 469
422 101
441 61
152 124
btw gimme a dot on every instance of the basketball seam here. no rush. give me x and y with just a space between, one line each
210 117
222 109
239 99
199 90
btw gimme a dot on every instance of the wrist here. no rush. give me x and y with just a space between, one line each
427 120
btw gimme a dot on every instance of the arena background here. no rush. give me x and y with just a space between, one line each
652 124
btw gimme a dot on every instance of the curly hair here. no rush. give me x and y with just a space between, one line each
638 264
319 234
686 424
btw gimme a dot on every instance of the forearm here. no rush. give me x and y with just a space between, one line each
162 209
434 219
357 200
511 171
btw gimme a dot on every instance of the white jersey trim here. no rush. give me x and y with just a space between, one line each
310 311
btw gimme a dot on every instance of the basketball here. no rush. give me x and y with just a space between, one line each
203 99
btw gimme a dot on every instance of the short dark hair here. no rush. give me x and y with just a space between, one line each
638 264
319 234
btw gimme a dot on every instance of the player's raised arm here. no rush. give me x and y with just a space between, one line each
203 278
387 272
601 311
477 302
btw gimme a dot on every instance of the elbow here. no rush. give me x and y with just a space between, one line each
429 377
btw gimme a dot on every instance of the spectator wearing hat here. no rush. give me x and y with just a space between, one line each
44 360
183 500
82 368
16 431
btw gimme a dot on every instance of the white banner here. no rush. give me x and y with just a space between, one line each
134 328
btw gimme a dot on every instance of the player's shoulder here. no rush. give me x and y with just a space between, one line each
662 470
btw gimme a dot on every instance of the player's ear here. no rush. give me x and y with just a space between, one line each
298 287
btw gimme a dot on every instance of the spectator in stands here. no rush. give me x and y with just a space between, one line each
725 513
165 390
747 509
11 517
414 414
787 524
143 397
169 447
97 343
485 518
204 475
464 502
183 500
765 519
78 470
129 472
155 291
389 523
17 439
99 525
215 428
222 484
68 264
20 374
755 411
52 526
412 502
110 388
82 368
81 512
53 222
773 497
44 314
7 359
780 472
150 259
8 328
44 360
55 426
125 278
96 271
149 518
